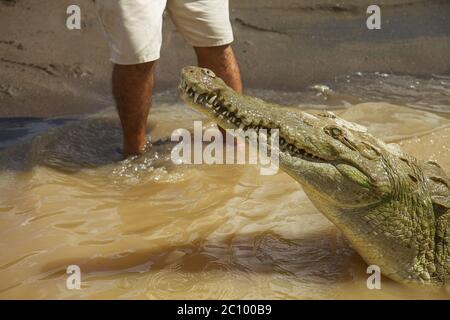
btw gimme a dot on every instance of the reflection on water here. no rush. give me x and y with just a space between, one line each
145 228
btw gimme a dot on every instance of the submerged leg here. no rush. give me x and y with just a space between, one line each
132 88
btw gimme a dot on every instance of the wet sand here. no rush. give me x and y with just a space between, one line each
48 70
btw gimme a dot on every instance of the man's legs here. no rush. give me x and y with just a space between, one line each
133 85
133 30
132 88
223 62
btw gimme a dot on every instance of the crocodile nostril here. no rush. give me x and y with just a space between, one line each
209 73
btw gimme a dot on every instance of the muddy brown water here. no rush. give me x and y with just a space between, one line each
145 228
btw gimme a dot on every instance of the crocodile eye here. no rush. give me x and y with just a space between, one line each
209 73
341 136
334 132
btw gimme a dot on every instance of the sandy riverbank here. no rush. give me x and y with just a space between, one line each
48 70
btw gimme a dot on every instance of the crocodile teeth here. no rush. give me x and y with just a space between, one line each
246 121
298 146
230 114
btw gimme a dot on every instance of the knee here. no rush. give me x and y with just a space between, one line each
213 51
145 68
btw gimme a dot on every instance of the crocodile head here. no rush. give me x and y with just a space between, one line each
377 196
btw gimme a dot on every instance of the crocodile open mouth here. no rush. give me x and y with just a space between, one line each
215 104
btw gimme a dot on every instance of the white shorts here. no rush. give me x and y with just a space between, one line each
134 27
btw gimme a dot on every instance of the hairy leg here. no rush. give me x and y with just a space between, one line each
132 89
223 62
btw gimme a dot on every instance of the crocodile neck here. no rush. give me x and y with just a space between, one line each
442 245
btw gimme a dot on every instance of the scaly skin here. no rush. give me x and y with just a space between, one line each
394 209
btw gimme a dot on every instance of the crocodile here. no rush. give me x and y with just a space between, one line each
393 208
